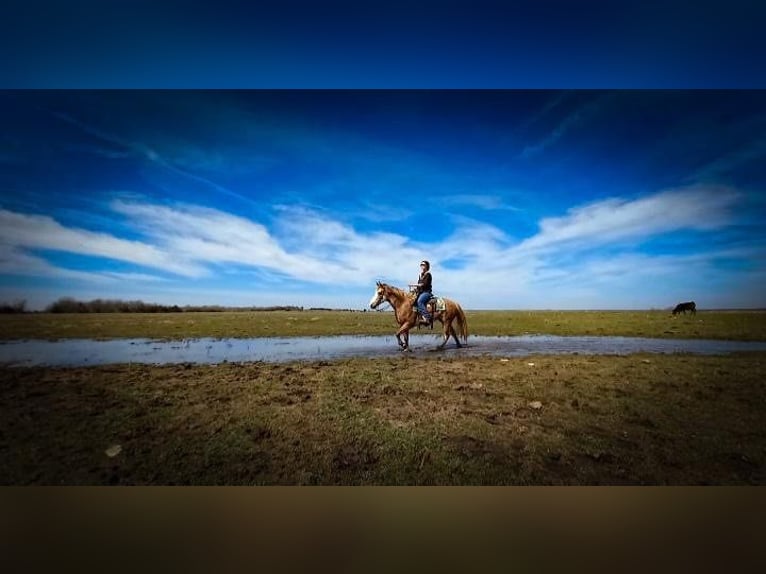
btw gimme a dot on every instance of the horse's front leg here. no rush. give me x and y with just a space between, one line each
403 336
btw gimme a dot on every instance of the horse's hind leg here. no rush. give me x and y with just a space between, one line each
449 331
454 335
445 334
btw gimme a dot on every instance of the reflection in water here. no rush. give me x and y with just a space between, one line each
79 352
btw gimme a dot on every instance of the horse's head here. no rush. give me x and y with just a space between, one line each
379 295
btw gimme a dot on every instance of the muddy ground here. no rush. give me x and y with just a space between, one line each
636 419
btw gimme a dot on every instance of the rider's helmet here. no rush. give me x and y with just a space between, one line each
426 263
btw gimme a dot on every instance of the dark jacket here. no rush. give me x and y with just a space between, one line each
424 283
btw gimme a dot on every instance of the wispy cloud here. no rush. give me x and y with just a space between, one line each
136 277
486 202
753 151
547 107
572 120
14 261
141 150
211 237
43 232
697 208
383 213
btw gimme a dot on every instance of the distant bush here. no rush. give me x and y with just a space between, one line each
275 308
70 305
218 308
15 307
203 308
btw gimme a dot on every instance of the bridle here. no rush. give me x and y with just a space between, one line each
381 298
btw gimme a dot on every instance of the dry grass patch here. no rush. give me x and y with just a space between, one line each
639 419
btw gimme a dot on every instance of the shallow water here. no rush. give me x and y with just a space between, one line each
83 352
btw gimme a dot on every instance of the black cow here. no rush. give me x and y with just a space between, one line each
684 307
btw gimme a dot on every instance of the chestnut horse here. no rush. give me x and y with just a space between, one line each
407 316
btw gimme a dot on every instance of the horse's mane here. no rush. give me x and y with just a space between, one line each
400 292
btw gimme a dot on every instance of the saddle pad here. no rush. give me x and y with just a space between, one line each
439 302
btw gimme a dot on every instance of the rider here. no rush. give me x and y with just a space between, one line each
423 291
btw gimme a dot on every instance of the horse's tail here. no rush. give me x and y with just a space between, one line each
462 322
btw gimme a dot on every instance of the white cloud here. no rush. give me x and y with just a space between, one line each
209 236
487 202
136 277
698 207
479 264
16 262
43 232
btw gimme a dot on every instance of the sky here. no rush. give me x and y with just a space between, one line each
521 199
392 44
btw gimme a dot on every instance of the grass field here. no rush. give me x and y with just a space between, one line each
735 325
640 419
637 419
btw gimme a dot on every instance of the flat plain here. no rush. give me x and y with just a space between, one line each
434 420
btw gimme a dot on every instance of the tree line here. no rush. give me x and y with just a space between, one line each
71 305
13 307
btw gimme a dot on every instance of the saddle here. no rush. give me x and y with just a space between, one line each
434 306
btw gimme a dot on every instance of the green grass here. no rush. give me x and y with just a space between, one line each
734 325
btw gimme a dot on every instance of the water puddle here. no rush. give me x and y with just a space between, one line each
83 352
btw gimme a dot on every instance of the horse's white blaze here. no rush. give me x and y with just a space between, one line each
375 301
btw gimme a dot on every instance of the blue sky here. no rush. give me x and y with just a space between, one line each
393 44
520 198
